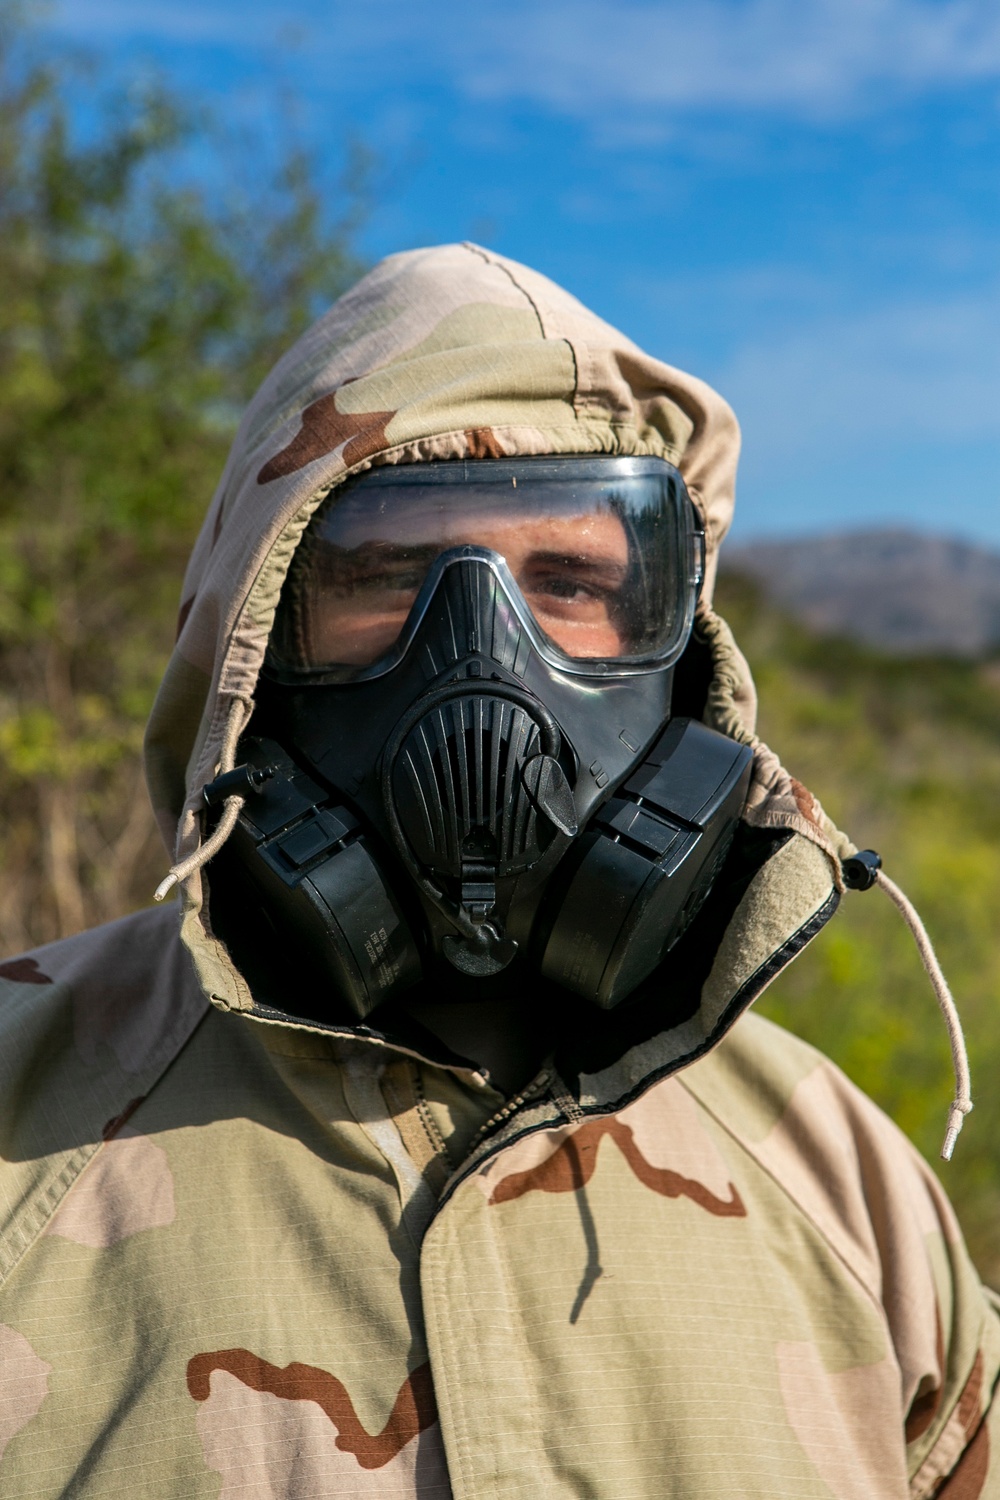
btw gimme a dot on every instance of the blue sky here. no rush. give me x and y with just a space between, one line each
798 200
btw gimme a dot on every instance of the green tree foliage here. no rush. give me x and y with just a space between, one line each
905 756
138 314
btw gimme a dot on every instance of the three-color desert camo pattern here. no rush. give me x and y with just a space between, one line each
252 1260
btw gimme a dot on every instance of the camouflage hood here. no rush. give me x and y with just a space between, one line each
455 352
259 1259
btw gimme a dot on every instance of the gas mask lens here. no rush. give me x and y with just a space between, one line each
600 557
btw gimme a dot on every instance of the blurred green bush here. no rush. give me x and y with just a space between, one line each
905 756
139 312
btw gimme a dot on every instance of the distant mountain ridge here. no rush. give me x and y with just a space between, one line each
902 591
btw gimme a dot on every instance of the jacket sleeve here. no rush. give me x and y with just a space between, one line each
888 1220
906 1244
900 1232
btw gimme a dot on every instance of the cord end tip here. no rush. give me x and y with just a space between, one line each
165 887
956 1119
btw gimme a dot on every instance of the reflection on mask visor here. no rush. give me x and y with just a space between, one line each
602 561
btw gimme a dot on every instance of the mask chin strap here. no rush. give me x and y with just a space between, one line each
481 948
861 872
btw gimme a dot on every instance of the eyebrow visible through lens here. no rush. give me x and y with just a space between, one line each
348 564
594 566
370 559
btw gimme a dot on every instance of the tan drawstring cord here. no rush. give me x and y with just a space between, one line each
962 1102
205 851
239 715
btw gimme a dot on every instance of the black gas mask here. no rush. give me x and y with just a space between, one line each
463 762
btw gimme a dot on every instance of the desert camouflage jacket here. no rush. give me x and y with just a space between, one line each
251 1255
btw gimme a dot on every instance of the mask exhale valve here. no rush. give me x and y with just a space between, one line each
466 776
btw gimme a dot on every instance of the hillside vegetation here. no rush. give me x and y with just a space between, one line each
904 754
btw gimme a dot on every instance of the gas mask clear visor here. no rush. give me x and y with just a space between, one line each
600 558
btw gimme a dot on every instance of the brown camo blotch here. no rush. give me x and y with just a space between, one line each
24 971
925 1406
323 429
413 1412
482 442
572 1166
967 1480
968 1408
111 1128
805 801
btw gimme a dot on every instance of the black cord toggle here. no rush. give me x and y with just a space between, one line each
239 782
861 869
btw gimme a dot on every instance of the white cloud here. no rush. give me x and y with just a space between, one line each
185 22
889 418
809 56
585 57
921 373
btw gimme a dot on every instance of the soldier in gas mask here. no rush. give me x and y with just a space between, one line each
480 863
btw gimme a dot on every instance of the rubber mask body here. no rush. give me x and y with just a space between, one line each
454 792
474 759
